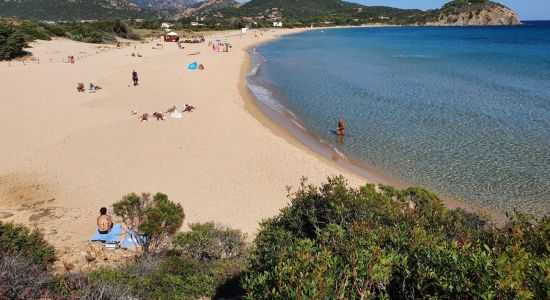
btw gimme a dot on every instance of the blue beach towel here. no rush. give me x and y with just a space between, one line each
111 237
193 66
131 240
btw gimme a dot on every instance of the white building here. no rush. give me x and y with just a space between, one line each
277 24
165 25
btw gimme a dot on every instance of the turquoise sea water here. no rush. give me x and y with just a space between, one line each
462 111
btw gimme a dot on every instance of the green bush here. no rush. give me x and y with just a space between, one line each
33 30
336 242
157 216
16 239
12 42
171 277
207 242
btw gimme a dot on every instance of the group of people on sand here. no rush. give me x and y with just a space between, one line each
194 40
92 88
219 45
172 111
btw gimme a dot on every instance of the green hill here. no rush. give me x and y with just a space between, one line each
297 9
71 10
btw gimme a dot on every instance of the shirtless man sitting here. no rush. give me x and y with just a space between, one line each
104 222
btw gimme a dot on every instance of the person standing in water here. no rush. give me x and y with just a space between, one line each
135 77
341 127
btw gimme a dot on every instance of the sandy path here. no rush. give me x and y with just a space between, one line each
66 154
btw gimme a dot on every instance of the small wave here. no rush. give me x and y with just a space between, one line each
254 71
265 96
413 56
296 122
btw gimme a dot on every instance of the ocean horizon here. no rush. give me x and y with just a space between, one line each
462 111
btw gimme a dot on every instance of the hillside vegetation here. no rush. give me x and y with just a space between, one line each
331 242
16 35
63 10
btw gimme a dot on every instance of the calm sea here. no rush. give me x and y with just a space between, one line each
461 111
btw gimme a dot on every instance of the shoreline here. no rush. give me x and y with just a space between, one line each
71 153
285 127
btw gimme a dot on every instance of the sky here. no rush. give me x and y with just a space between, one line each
527 9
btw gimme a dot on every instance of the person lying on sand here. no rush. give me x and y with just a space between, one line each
144 117
188 108
104 222
80 87
171 110
159 116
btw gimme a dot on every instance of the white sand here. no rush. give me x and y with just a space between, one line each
65 154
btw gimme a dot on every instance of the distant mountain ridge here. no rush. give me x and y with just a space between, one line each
206 7
160 5
454 13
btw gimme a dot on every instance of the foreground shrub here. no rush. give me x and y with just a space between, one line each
208 242
336 242
172 277
155 218
19 240
20 278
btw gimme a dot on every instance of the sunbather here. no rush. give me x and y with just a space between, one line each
159 116
80 87
104 222
188 108
144 117
171 109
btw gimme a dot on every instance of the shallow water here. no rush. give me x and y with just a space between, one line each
462 111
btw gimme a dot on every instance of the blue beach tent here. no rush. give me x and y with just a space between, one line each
193 66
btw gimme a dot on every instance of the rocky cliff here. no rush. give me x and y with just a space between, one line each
472 13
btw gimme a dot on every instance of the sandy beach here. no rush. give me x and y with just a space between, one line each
66 154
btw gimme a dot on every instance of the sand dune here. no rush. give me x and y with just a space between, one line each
66 154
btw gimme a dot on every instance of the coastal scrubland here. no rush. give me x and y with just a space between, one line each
331 242
15 35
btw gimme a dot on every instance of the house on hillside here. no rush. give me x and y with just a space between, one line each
277 24
165 25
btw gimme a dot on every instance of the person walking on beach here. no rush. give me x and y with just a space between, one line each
341 127
135 77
